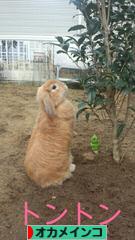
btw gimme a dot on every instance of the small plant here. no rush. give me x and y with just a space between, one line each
95 143
105 47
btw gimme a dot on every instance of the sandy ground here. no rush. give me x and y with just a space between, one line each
96 180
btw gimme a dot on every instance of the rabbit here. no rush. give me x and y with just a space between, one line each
48 158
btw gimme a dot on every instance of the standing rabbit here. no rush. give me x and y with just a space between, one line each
48 158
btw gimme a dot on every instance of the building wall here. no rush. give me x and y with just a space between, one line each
33 24
36 17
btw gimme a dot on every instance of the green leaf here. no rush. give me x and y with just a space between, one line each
81 40
81 105
60 51
120 128
76 27
72 40
100 100
121 84
91 95
98 37
60 39
93 26
75 52
65 47
81 110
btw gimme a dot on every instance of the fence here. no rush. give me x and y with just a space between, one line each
26 61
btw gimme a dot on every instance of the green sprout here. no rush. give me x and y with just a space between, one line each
95 143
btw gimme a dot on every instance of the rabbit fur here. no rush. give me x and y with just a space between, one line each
48 158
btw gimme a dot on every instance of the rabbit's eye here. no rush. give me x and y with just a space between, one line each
54 87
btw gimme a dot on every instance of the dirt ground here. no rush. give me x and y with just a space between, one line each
95 181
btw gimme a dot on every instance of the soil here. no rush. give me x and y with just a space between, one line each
97 179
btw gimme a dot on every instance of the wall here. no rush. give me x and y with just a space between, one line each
36 17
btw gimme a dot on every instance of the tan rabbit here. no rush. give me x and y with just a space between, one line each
48 158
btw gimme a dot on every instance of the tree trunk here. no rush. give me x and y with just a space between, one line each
115 139
116 145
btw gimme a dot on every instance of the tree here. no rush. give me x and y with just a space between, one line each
106 47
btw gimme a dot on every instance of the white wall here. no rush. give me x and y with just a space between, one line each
37 20
36 17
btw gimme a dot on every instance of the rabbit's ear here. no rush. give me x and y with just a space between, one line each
49 106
